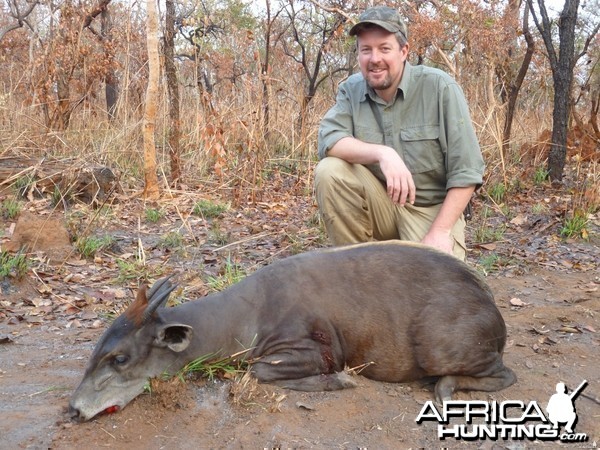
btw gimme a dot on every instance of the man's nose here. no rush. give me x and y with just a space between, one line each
375 56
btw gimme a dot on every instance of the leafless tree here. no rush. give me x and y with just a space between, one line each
562 64
19 14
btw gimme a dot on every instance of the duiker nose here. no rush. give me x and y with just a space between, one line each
74 413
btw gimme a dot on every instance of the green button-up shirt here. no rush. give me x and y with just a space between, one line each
428 124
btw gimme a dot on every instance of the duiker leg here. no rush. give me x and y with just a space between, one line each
308 369
496 382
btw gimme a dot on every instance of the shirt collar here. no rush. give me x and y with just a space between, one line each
406 80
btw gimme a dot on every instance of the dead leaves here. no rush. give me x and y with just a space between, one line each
86 293
57 300
555 320
590 287
569 329
519 220
553 337
5 339
517 302
550 337
525 230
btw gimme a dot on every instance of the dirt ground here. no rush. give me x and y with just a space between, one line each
551 307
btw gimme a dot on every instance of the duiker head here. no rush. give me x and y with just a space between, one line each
137 346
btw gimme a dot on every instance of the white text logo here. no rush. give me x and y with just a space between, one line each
511 419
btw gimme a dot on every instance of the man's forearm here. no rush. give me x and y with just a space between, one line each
440 231
399 181
356 151
454 204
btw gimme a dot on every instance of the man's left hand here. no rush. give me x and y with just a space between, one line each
440 239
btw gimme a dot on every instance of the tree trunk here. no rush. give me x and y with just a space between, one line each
173 90
514 86
205 87
264 70
562 73
594 112
151 190
563 79
62 112
111 84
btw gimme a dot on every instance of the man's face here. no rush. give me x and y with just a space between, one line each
381 60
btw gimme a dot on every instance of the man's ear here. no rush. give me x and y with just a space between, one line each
404 51
176 336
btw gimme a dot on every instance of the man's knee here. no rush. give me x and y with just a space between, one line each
336 184
330 170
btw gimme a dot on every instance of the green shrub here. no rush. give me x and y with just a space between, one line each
575 226
154 215
15 266
208 209
540 176
10 208
23 184
217 236
90 245
208 366
497 192
171 240
232 273
487 233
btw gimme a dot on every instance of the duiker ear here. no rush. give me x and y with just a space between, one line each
176 336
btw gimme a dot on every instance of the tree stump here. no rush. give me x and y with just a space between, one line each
35 233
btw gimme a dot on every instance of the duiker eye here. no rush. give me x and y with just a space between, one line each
120 360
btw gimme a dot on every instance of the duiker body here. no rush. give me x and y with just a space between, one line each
404 310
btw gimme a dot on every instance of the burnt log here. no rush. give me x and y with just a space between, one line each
69 178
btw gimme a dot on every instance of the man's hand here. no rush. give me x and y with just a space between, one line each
440 239
440 232
399 180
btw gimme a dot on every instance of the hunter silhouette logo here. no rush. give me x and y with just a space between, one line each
471 420
561 406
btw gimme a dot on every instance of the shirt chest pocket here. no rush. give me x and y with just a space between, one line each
371 135
421 149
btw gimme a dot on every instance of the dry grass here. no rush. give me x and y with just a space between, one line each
230 151
247 392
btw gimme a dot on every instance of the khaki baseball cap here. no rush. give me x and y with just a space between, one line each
387 18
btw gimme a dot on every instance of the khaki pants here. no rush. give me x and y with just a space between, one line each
355 208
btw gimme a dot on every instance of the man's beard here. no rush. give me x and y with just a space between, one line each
379 84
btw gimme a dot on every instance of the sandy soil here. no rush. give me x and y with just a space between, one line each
553 320
547 290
